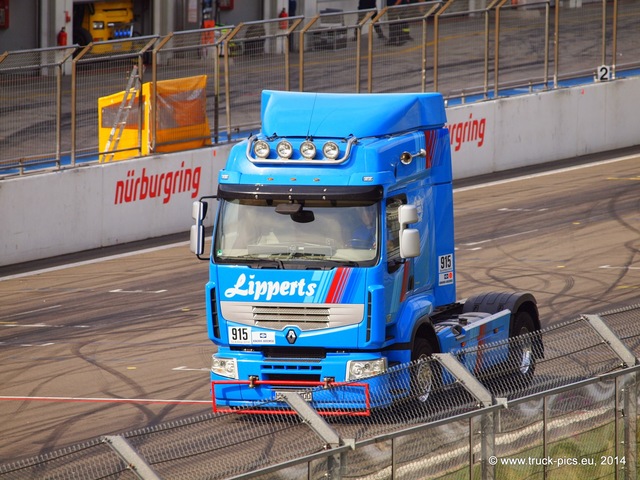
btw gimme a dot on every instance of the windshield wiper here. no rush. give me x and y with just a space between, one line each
253 261
342 263
291 250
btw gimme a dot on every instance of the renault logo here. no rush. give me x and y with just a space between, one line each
291 337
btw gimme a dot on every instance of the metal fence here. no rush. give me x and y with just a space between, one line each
576 417
49 97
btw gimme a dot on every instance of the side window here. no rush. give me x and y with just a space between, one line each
393 233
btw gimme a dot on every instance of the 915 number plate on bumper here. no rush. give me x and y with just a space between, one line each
306 395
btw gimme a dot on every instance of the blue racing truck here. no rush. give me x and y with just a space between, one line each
333 258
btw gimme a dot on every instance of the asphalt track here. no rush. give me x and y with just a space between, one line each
97 344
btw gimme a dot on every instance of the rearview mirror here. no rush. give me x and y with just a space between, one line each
199 210
409 243
407 214
196 239
409 237
196 233
288 208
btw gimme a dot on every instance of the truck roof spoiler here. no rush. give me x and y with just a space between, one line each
341 115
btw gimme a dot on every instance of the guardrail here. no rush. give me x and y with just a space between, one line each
50 96
576 417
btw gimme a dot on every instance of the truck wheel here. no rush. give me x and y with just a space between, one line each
423 374
521 355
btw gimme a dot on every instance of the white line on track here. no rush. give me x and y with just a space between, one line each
103 400
38 325
119 290
547 173
31 311
470 244
33 325
95 260
187 369
623 267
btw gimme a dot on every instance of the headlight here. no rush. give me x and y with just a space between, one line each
331 150
261 149
308 149
225 367
284 149
98 25
357 369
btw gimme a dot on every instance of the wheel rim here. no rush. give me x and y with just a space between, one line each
525 360
424 378
526 354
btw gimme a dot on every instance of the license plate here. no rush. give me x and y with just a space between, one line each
306 395
239 335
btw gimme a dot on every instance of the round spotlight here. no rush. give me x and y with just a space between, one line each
284 149
331 150
308 149
261 149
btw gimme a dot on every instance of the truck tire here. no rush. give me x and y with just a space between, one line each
424 374
522 357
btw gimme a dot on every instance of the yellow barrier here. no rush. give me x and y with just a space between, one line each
182 121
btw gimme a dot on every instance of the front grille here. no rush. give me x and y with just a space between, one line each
277 316
271 313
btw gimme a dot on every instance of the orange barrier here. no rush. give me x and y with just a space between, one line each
182 121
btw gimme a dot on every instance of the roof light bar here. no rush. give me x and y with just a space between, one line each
331 150
261 149
308 149
284 149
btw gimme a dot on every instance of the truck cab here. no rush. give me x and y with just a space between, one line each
332 255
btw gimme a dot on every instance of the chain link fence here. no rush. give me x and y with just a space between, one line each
100 70
35 106
573 415
53 99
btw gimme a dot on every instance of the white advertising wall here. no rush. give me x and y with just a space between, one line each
543 127
48 214
55 213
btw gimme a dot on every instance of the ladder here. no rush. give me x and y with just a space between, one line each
133 87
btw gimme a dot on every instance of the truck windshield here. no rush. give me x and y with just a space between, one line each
318 234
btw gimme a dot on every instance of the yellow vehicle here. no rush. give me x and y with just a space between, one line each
100 21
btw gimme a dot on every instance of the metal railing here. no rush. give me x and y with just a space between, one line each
49 97
575 417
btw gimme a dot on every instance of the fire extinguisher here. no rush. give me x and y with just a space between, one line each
62 37
285 24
